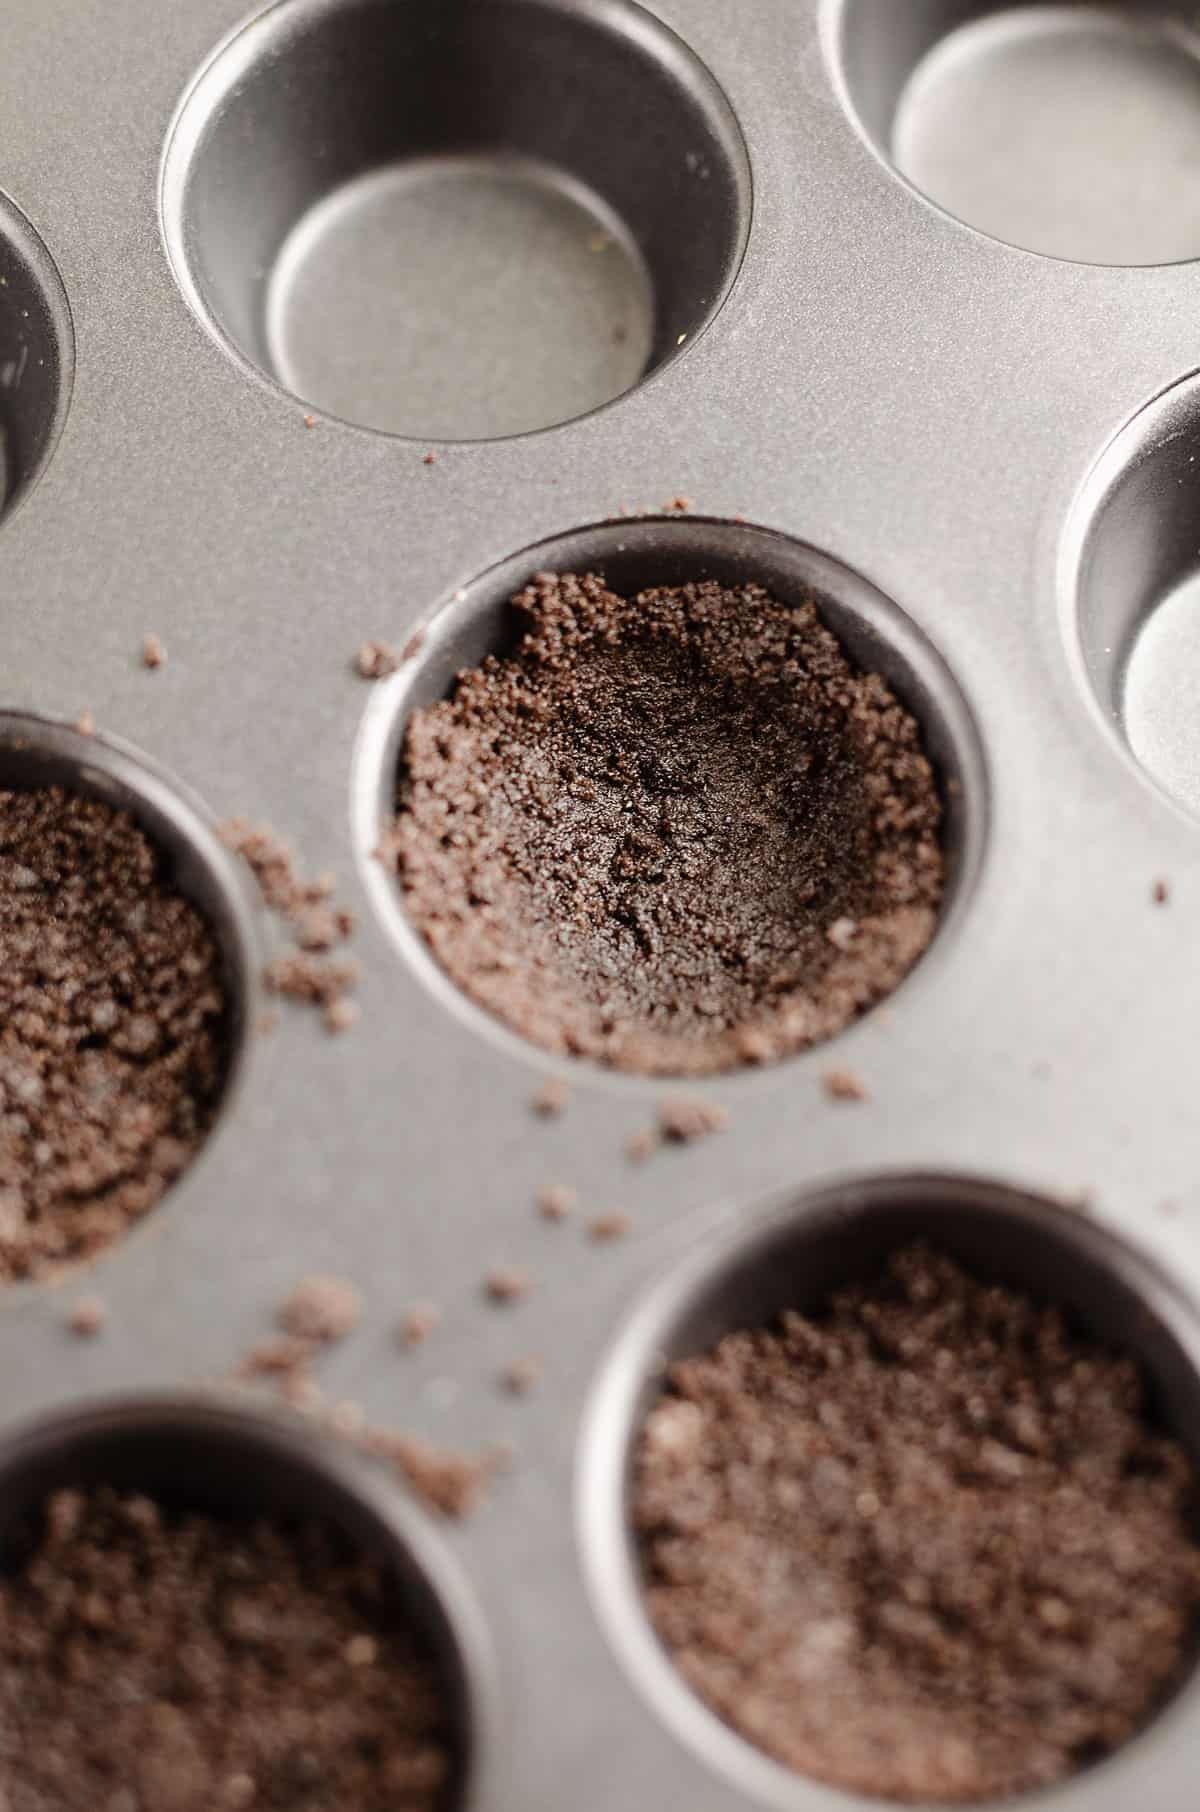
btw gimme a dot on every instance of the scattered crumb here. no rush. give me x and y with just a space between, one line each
608 1228
679 506
1161 893
316 922
89 1317
85 723
413 646
153 652
323 1309
375 660
845 1085
306 978
316 928
641 1145
556 1201
450 1483
340 1015
682 1121
419 1324
310 421
521 1377
552 1098
506 1284
430 459
282 1356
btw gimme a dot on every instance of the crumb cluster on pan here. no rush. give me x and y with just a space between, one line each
114 1028
673 833
925 1544
159 1660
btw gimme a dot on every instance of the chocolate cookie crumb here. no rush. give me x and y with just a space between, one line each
556 1201
982 1570
375 660
449 1483
323 1309
629 838
195 1662
153 652
506 1284
606 1229
281 1357
1162 893
315 923
307 979
419 1324
88 1317
340 1015
521 1377
641 1145
845 1085
683 1122
114 1029
551 1099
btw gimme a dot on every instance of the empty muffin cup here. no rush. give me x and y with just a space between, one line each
455 222
36 355
700 804
1131 589
900 1485
1065 130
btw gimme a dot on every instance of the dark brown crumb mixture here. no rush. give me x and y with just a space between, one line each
159 1661
113 1029
631 839
925 1546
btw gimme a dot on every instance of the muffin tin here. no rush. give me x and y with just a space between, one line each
985 461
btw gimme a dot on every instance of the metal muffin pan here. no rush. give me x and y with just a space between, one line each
985 457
